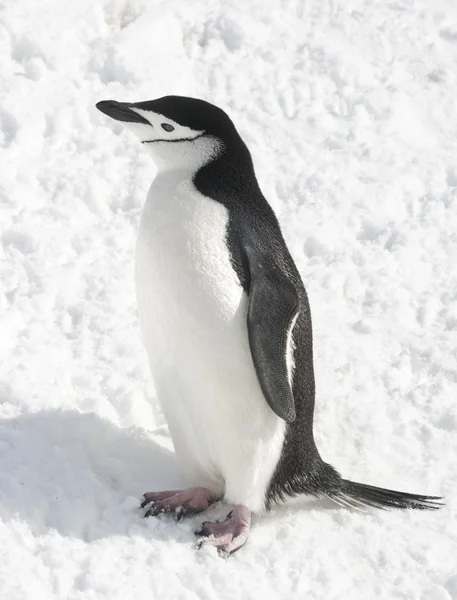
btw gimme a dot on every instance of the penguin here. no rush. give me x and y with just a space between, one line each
226 323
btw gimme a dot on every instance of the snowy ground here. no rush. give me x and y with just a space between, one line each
350 110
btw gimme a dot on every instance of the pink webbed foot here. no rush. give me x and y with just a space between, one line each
181 502
228 535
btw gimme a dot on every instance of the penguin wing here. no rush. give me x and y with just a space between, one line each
272 312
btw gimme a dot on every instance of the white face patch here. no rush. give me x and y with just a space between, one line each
182 148
158 133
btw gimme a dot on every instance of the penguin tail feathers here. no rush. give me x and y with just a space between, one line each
360 495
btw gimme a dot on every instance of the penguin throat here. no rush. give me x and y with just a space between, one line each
184 154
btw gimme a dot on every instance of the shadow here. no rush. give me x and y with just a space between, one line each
81 475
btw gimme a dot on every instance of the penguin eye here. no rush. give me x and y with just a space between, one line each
167 127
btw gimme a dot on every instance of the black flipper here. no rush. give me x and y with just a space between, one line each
360 495
273 305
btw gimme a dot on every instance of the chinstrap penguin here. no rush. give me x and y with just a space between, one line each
227 327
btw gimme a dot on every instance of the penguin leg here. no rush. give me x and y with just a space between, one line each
181 502
228 535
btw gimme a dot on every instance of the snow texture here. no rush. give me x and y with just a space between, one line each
349 108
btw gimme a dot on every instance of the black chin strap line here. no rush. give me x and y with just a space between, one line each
173 141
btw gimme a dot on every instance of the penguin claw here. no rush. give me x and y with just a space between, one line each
182 512
198 531
154 511
145 502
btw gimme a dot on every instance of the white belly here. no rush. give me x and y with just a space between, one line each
193 316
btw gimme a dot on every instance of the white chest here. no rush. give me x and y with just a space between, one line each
185 281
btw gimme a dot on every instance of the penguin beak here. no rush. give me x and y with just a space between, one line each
120 111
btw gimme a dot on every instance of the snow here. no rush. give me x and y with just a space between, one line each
349 108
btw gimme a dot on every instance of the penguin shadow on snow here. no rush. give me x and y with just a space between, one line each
84 477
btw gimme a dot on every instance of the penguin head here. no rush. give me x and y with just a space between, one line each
179 132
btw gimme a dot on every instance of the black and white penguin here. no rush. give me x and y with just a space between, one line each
227 326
